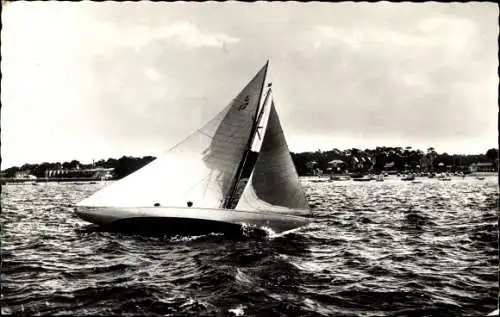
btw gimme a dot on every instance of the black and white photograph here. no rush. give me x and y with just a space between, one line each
249 159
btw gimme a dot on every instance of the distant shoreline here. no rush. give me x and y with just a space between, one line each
48 180
374 161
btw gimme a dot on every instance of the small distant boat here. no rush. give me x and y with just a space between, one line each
339 177
379 178
362 179
416 181
319 180
444 177
408 178
480 177
357 175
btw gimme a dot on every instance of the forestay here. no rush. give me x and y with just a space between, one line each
274 183
199 169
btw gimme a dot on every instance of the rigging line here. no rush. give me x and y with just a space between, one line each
195 131
197 183
208 183
205 134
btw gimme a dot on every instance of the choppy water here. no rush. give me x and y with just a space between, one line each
388 248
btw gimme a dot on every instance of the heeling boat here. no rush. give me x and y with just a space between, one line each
193 187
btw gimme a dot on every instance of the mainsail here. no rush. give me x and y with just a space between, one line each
199 169
274 183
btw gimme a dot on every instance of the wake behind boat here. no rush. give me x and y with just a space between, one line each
194 185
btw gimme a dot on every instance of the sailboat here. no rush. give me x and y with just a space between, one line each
194 187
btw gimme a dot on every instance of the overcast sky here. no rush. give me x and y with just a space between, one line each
92 80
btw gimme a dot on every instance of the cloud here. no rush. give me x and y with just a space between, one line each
189 35
453 32
71 29
325 36
181 33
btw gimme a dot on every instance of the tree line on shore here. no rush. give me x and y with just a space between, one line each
352 160
389 158
121 167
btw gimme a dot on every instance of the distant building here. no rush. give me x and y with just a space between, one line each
389 166
481 167
103 173
24 175
95 173
337 166
336 162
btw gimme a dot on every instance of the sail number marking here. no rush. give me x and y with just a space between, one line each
245 104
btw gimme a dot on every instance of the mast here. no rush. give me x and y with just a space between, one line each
261 113
234 185
232 191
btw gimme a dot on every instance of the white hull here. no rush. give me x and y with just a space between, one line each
203 218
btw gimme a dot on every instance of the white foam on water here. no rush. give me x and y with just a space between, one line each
238 311
179 238
243 278
271 234
308 266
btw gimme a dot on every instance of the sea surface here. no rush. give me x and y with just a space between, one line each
391 248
